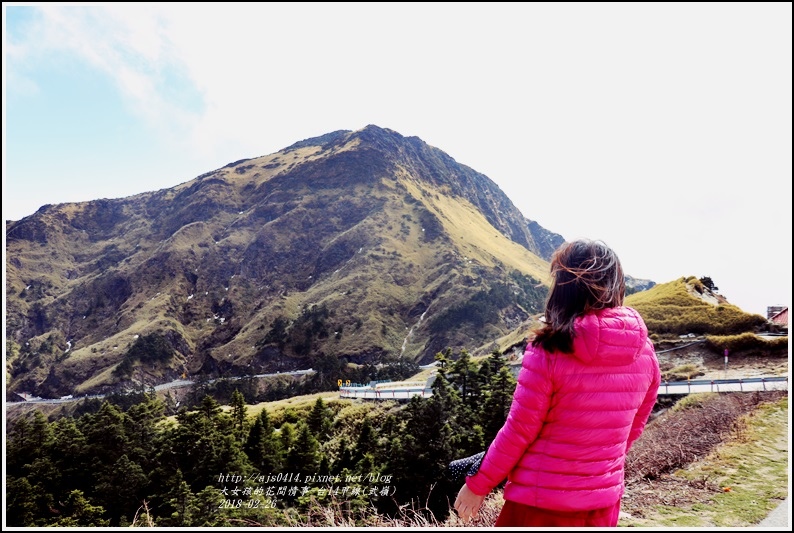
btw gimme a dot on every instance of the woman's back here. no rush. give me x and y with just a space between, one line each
587 386
583 408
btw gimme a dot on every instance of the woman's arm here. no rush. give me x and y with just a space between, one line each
531 402
644 412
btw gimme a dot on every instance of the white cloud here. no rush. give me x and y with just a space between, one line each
127 42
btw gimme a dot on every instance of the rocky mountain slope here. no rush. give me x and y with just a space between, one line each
364 246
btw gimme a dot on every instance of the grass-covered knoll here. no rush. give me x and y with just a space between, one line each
685 306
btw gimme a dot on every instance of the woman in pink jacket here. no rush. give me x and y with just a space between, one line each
587 386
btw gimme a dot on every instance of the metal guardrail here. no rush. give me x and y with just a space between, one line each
400 385
724 385
399 393
407 391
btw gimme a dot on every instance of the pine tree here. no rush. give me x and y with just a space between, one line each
344 460
71 454
120 489
27 441
422 448
78 511
497 403
40 430
207 502
210 408
181 503
141 425
253 442
305 454
320 419
366 465
287 437
239 414
463 375
105 433
45 478
366 442
18 451
709 283
444 360
491 366
263 447
201 446
21 509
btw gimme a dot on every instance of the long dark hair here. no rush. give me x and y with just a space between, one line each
586 275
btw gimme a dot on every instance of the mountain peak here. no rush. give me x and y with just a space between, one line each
370 131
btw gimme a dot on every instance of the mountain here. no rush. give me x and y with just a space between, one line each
357 246
637 285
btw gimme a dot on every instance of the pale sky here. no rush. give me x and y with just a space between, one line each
663 129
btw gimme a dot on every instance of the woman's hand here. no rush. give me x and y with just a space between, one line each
468 504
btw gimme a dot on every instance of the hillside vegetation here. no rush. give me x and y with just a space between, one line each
368 463
214 466
686 306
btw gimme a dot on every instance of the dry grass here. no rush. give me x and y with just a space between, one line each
684 435
142 517
714 460
682 372
335 514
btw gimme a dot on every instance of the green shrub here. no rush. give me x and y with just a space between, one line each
744 341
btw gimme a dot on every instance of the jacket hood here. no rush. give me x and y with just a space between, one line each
611 337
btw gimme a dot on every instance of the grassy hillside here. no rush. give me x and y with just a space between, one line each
686 306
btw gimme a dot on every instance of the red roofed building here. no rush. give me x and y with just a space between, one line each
779 317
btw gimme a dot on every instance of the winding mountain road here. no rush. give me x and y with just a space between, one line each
178 383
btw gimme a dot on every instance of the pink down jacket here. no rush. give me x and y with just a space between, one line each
575 416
